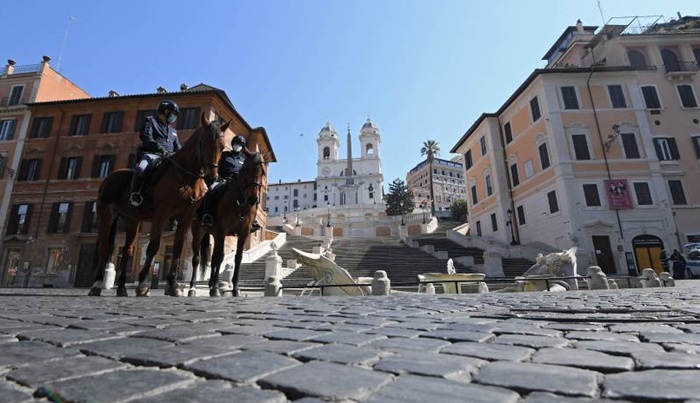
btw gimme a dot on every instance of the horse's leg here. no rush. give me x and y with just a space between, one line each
183 225
132 231
242 237
196 242
143 289
216 259
105 221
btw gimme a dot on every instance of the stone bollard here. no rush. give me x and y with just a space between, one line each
110 275
273 265
483 288
613 284
649 279
598 280
667 280
273 287
430 289
381 285
493 263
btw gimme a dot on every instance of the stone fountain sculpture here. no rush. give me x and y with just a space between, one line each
557 264
325 271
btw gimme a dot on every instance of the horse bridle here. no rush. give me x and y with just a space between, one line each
256 184
200 155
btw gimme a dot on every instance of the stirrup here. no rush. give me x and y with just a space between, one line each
135 199
207 220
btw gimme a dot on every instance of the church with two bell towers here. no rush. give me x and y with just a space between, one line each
347 183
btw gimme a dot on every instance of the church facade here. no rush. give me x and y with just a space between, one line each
340 182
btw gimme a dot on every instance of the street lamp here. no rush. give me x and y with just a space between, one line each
284 218
403 219
509 223
328 222
424 207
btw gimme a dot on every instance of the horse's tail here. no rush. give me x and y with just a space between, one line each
205 250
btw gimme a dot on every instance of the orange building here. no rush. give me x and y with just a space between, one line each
597 150
71 146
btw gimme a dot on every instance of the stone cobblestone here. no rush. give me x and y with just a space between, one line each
628 345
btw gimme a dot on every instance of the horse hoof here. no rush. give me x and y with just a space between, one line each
214 293
237 293
176 293
143 292
192 293
121 292
95 292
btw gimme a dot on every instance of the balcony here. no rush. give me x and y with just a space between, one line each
681 69
13 101
29 68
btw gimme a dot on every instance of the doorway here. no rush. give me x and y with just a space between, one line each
603 254
84 275
647 249
10 266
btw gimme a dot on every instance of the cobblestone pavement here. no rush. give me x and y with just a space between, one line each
640 345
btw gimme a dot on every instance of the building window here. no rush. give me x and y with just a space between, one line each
590 192
102 165
141 118
494 222
535 109
514 177
188 118
483 145
568 95
295 192
70 168
15 95
637 59
629 144
478 228
666 149
580 147
80 125
475 200
489 186
677 193
544 156
508 132
553 203
696 144
521 215
651 97
468 159
670 59
528 168
19 221
29 170
687 95
41 127
641 189
112 122
617 97
7 129
295 203
369 150
59 222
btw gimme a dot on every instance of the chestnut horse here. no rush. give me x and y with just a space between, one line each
179 186
234 208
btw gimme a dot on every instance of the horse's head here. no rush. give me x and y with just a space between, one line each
253 173
209 146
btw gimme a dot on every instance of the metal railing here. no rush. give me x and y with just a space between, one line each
681 67
29 68
20 101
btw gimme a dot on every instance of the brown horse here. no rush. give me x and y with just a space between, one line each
234 208
179 186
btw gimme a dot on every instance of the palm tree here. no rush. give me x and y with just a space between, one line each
431 150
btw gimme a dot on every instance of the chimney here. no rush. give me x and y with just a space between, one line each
161 90
579 26
10 68
679 15
46 59
183 87
113 94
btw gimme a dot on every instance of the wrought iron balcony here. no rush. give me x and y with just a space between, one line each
13 101
681 68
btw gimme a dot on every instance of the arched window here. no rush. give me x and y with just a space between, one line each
670 58
326 153
637 59
369 150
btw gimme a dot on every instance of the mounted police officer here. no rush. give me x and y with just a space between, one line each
230 166
158 140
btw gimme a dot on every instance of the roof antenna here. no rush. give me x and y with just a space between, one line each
600 9
63 45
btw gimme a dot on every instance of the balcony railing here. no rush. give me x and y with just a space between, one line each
29 68
10 101
681 67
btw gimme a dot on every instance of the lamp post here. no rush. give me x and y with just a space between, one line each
424 207
328 222
284 218
403 218
509 223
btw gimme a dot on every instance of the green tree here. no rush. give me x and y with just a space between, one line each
459 209
398 193
431 150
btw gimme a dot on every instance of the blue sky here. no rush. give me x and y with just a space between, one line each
421 69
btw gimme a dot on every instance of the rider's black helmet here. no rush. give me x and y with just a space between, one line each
168 104
237 139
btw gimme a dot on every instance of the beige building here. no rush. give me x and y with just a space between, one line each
597 150
448 184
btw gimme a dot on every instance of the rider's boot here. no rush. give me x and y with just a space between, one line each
135 197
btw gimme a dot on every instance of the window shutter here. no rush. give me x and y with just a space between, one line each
77 168
73 125
22 174
112 161
53 219
118 122
105 119
14 221
88 119
38 170
675 155
696 143
69 214
62 168
95 172
657 147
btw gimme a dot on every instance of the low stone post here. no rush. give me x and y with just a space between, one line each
430 289
666 279
493 263
381 285
273 287
598 280
273 265
110 275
